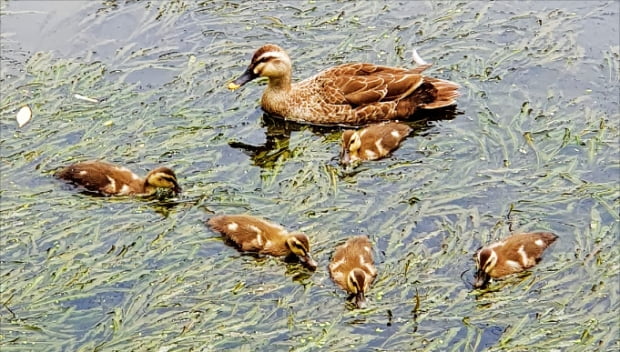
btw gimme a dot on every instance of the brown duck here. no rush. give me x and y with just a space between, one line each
511 255
350 94
253 234
373 142
109 179
352 268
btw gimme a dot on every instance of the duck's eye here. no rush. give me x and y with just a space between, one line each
263 60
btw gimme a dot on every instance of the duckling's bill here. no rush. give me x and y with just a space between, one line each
481 279
345 159
177 189
309 262
360 300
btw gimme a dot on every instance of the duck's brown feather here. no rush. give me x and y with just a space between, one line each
362 83
349 94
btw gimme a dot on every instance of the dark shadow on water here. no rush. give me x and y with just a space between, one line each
297 271
278 133
162 202
277 138
164 206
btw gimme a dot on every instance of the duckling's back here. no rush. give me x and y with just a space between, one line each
91 175
386 136
526 248
102 177
251 234
356 253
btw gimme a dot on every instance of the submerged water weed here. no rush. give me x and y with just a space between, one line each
533 146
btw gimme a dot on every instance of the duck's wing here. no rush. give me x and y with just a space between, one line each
363 83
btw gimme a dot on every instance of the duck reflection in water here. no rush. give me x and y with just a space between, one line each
275 150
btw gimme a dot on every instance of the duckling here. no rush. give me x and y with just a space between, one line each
352 268
512 255
351 94
372 142
253 234
109 179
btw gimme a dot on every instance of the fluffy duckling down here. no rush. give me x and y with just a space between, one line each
513 254
253 234
109 179
372 142
352 268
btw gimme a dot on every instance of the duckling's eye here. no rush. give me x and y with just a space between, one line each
168 179
298 248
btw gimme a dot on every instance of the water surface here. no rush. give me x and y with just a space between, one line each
534 146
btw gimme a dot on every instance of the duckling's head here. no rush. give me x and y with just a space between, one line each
351 144
486 259
356 282
299 244
268 61
163 177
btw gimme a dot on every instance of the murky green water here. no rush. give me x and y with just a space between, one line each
534 146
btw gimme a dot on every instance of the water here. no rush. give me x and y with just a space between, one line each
533 146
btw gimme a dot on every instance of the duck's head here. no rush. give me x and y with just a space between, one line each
163 177
486 259
351 144
269 61
299 244
356 282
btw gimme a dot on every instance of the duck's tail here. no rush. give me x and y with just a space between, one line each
446 94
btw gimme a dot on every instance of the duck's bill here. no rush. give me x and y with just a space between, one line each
309 262
360 300
247 76
481 279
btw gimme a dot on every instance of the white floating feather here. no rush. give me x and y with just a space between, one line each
418 59
23 115
81 97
